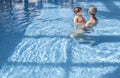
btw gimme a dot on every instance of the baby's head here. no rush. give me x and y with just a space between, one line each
78 10
92 10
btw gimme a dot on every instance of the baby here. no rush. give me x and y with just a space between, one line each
79 19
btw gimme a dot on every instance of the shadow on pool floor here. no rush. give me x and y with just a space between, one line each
8 42
67 67
97 39
104 38
114 74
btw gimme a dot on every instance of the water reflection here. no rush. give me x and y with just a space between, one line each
5 5
40 4
13 23
26 5
36 4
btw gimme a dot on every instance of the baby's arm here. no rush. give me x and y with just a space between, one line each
83 20
76 20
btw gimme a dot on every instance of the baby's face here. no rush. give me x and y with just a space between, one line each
79 13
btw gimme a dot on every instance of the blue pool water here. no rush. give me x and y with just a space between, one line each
35 43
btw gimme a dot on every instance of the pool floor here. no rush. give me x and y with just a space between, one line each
35 42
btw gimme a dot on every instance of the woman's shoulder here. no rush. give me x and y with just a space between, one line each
91 23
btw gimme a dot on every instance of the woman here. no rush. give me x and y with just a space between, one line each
92 18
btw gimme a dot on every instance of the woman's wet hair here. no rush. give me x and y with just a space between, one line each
77 9
92 10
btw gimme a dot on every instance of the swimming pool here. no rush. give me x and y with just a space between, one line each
35 43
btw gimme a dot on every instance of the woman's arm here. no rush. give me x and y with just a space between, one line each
88 24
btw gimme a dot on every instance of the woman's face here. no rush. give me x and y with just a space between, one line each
89 12
92 10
